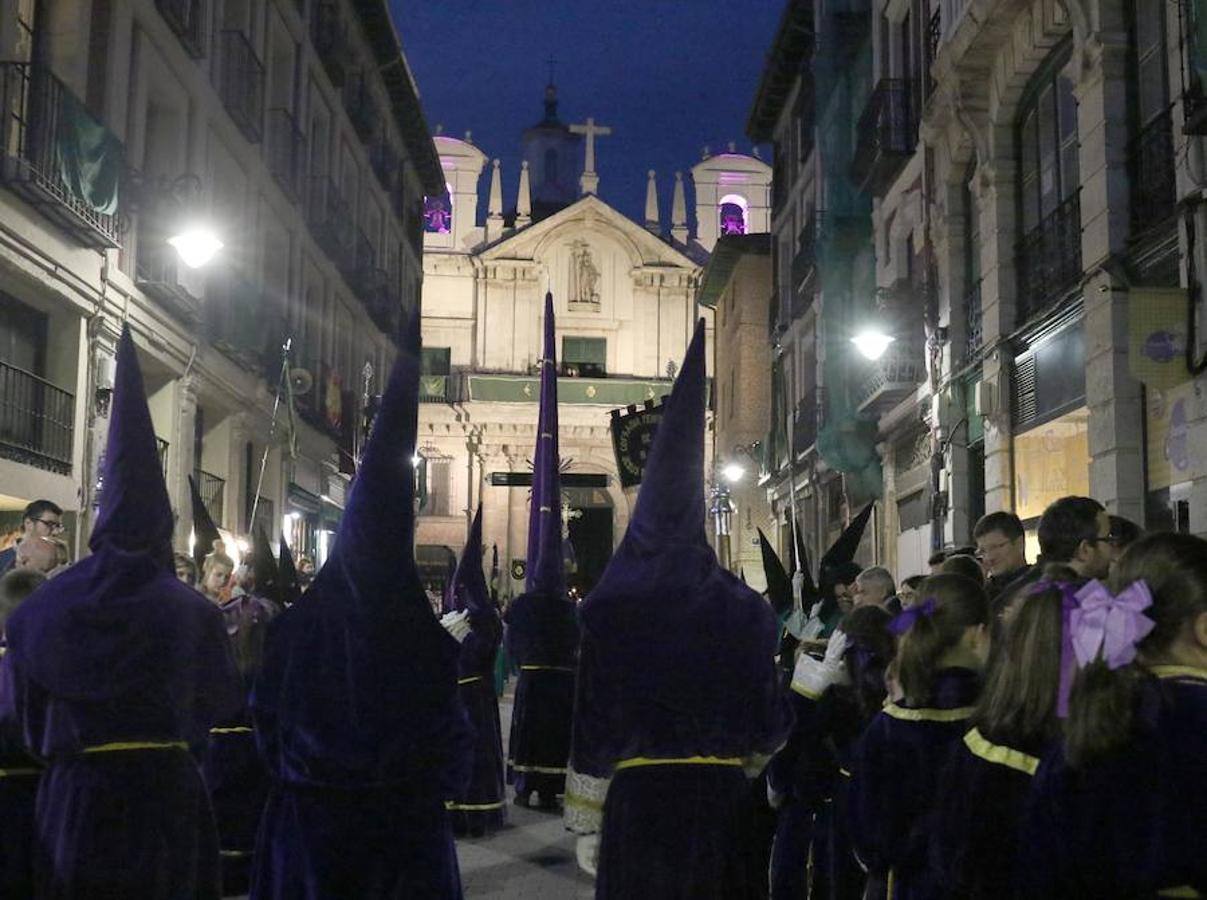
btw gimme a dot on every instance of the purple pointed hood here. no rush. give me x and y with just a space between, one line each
546 572
90 624
291 585
470 591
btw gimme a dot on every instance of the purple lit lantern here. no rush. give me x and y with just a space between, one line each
438 214
733 219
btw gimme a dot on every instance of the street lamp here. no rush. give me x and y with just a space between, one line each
196 244
872 342
733 472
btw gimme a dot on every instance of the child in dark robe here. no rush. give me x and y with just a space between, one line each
833 701
943 641
1120 808
983 792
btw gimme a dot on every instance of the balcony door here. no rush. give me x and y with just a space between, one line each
22 336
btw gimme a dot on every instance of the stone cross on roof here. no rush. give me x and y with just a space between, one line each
588 182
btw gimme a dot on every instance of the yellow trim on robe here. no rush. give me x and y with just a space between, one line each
1184 891
17 773
469 680
1179 672
978 745
891 886
926 714
472 807
545 669
123 746
844 773
582 802
234 729
639 761
538 770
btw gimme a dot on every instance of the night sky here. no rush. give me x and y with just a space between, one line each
669 76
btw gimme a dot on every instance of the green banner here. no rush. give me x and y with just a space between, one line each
611 392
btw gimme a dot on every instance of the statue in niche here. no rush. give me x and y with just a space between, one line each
584 276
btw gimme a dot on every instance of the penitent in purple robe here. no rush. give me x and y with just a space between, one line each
479 806
895 777
1135 823
356 707
678 693
542 628
113 670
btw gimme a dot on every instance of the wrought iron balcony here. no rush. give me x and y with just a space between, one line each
358 101
892 377
37 421
330 37
158 273
435 388
1152 175
187 19
886 136
285 146
212 490
804 263
59 157
1049 258
329 215
241 84
973 324
236 321
934 36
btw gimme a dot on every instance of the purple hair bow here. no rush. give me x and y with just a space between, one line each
1110 624
907 618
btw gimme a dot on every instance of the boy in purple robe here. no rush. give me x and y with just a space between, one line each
356 708
480 806
679 700
114 670
542 630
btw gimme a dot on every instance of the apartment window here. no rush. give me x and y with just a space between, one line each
1151 152
1047 136
584 356
435 487
436 360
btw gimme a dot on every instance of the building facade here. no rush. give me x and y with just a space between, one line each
1030 177
293 130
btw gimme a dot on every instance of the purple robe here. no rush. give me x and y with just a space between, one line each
150 665
20 774
480 805
1132 824
895 777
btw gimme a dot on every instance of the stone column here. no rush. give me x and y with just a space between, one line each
235 503
1112 395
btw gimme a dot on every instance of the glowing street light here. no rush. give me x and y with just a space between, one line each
196 245
733 472
872 342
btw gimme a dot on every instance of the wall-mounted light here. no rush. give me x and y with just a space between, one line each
872 343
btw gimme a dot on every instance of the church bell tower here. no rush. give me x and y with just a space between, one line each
551 150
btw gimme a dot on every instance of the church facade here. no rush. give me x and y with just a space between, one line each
625 297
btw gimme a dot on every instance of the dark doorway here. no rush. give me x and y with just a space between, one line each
591 537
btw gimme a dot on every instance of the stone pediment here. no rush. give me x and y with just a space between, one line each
587 216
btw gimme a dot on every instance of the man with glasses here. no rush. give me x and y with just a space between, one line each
1076 531
1001 547
42 519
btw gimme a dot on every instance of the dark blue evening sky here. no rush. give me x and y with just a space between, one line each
669 76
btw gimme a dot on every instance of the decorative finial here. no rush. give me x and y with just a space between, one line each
679 211
756 153
439 128
733 147
706 152
469 137
651 204
523 204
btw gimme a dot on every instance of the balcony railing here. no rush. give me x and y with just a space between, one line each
974 319
285 151
358 101
161 447
212 490
330 40
329 215
1153 182
58 156
934 36
435 388
804 263
885 137
37 421
889 379
187 19
241 84
157 273
1049 258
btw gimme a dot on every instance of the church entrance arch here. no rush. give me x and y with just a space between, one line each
590 521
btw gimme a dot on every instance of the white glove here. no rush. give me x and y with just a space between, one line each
774 798
586 851
811 678
798 588
456 624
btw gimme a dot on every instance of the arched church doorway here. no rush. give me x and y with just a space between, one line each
590 521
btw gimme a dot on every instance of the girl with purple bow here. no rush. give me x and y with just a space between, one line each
1120 809
942 647
983 792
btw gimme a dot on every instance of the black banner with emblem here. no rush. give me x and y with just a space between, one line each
632 437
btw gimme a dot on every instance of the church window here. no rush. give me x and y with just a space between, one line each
438 213
732 212
584 357
435 486
551 166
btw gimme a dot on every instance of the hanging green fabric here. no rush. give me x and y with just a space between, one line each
87 155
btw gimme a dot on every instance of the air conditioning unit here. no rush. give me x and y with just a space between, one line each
987 397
